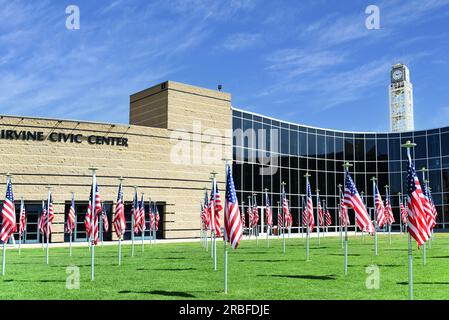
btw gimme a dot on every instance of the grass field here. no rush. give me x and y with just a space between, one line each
185 271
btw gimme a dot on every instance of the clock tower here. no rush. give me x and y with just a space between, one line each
401 99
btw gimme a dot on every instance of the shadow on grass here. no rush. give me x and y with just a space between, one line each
168 269
305 276
41 281
161 293
342 254
440 257
266 260
430 283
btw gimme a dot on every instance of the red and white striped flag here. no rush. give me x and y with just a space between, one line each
42 218
320 215
288 220
255 214
47 223
8 214
430 219
215 208
104 217
309 208
22 218
389 211
135 213
404 214
142 223
380 209
344 217
417 224
232 223
434 209
353 200
268 213
70 227
119 221
328 218
242 217
92 216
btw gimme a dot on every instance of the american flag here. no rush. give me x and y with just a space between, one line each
353 200
285 208
309 208
430 218
434 209
91 220
249 211
119 221
232 223
156 217
8 214
42 217
152 218
280 220
328 218
404 214
389 211
417 225
22 219
380 209
255 215
135 212
142 225
344 217
47 223
320 214
215 208
268 214
104 217
243 218
71 217
304 214
204 212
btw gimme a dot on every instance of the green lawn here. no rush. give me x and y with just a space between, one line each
185 271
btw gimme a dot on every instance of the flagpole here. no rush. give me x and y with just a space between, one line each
387 191
318 204
268 227
133 222
48 217
71 231
424 253
92 221
374 179
279 227
214 179
301 213
307 176
346 167
341 212
256 227
400 213
431 234
143 221
362 195
410 145
20 222
283 219
225 249
122 231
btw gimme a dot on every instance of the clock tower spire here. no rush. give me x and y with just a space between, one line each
401 99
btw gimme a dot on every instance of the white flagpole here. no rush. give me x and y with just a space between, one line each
283 218
268 227
424 253
340 217
256 227
374 179
122 231
279 227
143 227
133 221
400 213
410 145
214 183
101 227
92 222
387 191
225 237
346 167
48 217
20 222
362 193
307 176
318 204
71 231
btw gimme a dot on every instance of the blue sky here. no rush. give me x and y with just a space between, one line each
309 62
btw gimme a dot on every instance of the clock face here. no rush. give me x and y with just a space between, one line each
397 74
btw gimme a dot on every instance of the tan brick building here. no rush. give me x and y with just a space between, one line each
163 151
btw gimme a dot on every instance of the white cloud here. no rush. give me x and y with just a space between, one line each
241 41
